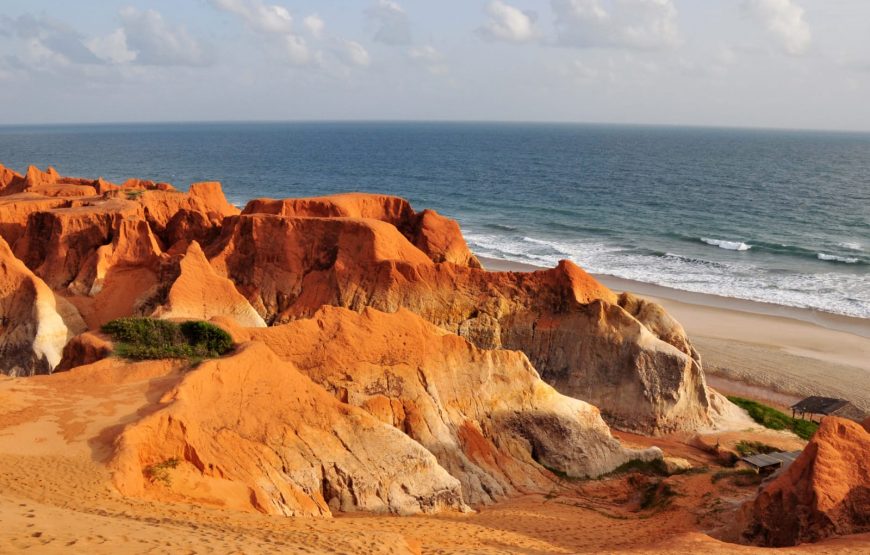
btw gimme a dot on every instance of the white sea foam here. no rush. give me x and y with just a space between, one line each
835 292
851 246
729 245
833 258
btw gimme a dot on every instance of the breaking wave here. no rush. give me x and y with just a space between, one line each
834 258
729 245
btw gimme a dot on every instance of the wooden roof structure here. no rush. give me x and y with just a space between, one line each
769 461
827 406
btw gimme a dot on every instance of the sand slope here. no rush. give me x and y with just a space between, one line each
57 498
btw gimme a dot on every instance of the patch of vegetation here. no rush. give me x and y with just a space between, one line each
739 477
135 194
160 472
747 448
150 339
771 418
657 495
655 467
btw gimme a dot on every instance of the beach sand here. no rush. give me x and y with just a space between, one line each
765 352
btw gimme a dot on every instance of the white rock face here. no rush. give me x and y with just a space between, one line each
35 324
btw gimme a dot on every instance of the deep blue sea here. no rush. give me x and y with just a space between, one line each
775 216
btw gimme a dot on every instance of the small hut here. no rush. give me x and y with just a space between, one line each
826 406
766 463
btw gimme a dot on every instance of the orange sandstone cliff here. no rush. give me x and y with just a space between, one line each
573 329
825 492
129 250
485 414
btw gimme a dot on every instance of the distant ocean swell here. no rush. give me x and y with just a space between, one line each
790 250
834 292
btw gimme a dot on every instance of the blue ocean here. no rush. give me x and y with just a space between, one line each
775 216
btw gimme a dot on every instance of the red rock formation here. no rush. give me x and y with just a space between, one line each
10 181
569 325
485 414
34 323
57 243
825 492
250 432
437 236
15 210
118 254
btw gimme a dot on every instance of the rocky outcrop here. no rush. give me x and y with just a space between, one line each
193 216
250 432
86 348
825 492
133 245
570 326
35 324
200 293
9 181
485 414
439 237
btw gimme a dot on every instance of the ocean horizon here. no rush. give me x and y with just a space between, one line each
775 216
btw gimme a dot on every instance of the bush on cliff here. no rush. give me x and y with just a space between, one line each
149 338
775 420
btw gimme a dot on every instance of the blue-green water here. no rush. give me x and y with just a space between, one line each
775 216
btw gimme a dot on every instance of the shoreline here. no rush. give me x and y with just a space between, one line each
770 353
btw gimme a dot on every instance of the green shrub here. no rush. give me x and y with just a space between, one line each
212 338
149 339
775 420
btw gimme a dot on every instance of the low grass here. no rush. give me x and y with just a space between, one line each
655 467
160 472
739 477
151 339
657 495
771 418
747 448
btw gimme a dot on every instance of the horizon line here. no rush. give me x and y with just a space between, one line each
438 121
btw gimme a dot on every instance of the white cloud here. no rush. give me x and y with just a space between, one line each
47 42
508 23
267 18
636 24
393 24
785 20
315 25
430 58
353 53
156 42
296 50
112 48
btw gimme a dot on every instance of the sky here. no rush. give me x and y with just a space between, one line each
746 63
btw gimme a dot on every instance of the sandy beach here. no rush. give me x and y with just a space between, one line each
766 352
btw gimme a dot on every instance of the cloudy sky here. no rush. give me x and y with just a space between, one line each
758 63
